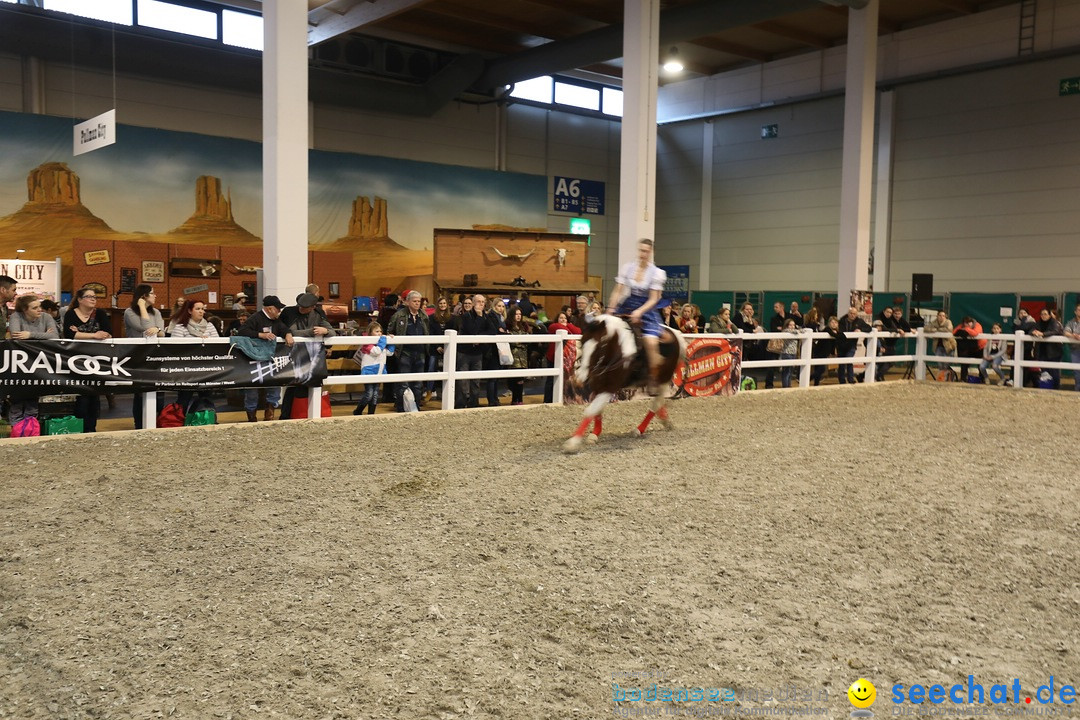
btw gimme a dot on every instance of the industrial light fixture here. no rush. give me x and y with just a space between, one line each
672 64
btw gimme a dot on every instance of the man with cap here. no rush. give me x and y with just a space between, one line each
303 320
265 324
239 304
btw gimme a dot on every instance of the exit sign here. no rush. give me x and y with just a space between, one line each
1069 86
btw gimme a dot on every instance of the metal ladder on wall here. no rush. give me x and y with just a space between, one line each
1026 41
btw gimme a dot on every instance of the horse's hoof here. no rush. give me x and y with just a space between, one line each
572 445
592 438
668 425
635 433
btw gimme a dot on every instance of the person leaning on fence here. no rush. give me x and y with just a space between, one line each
438 323
1072 331
304 320
687 323
967 346
143 320
491 351
721 322
566 362
943 347
1023 322
28 322
790 350
235 325
516 325
265 324
776 324
7 294
578 316
470 356
372 361
994 354
1047 327
846 346
409 321
823 348
190 322
84 321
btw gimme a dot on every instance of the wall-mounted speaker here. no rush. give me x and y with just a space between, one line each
922 287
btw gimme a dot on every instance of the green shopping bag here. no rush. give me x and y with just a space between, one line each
201 417
68 425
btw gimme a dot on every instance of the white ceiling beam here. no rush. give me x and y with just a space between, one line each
326 22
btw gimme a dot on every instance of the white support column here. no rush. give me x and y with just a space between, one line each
858 162
285 148
705 258
637 175
883 192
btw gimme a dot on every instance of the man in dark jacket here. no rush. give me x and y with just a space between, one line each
265 324
409 320
845 346
476 321
303 320
1026 324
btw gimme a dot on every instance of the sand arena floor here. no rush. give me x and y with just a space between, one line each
449 565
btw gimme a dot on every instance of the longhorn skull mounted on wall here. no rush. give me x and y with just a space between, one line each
515 258
560 256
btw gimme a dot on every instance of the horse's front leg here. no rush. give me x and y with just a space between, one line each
592 414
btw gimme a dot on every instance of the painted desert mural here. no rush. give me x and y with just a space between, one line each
172 187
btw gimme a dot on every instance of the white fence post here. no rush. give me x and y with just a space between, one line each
449 386
1018 360
920 354
806 353
870 373
557 391
314 403
149 410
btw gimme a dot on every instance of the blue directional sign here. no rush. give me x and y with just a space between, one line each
585 197
677 286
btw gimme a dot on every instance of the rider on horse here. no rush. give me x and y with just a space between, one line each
645 283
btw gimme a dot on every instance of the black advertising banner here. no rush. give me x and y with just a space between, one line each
45 367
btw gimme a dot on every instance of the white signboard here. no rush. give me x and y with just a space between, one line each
41 277
95 133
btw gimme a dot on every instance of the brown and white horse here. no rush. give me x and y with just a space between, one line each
611 359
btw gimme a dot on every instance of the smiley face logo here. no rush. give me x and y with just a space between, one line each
862 693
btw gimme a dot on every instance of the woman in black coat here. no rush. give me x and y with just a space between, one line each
1049 326
84 321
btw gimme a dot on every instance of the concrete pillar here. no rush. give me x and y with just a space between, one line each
883 192
858 158
637 173
285 148
705 258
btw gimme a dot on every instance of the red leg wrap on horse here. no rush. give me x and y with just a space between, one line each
580 432
645 423
662 414
597 425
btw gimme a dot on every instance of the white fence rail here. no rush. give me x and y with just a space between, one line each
451 343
